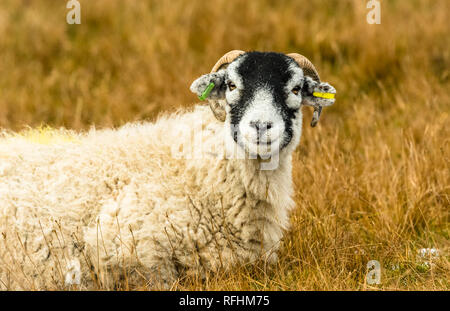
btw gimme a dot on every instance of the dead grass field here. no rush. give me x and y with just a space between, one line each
372 179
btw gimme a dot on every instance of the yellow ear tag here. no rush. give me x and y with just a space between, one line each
324 95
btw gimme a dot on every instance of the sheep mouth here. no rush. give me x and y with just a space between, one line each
261 148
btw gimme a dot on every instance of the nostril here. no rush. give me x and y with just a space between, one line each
261 126
255 124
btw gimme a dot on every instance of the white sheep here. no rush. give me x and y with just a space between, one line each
154 201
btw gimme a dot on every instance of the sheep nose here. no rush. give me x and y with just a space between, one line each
260 126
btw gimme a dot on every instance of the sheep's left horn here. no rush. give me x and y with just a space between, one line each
310 71
306 65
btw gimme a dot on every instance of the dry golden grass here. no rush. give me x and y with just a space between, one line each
372 180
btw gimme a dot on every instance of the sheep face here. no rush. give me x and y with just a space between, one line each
262 94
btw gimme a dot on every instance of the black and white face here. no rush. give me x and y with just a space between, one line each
263 96
262 93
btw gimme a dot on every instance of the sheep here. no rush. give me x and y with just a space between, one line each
153 202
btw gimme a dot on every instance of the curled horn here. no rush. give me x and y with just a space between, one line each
226 59
216 106
308 68
310 71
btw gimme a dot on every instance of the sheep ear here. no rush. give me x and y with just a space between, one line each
216 96
317 93
200 85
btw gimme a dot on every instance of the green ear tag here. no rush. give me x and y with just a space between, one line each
206 92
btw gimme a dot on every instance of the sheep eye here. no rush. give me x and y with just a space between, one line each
296 90
231 86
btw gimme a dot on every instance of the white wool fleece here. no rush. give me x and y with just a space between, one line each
119 201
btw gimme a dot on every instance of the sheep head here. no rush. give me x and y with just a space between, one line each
260 95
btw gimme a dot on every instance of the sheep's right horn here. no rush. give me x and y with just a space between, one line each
226 59
217 107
